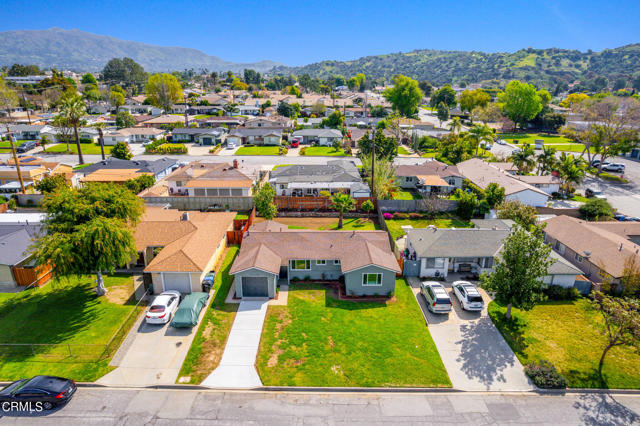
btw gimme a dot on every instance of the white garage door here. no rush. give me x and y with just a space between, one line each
177 281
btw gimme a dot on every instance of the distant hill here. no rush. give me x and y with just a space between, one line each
543 66
82 51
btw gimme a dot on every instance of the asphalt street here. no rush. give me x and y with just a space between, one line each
143 406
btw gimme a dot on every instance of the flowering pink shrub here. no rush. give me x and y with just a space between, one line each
387 215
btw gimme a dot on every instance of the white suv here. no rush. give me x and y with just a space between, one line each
468 295
438 300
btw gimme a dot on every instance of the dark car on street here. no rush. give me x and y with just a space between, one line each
26 146
48 391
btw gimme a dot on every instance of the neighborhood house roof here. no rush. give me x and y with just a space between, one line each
188 239
482 174
142 166
334 171
609 245
319 133
255 131
436 242
269 249
428 168
15 241
206 175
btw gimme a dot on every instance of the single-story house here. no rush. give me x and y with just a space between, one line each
142 109
276 122
163 120
247 110
255 136
16 240
179 248
482 174
271 253
29 131
430 177
116 170
199 179
311 179
230 122
322 137
598 249
546 183
202 136
133 135
31 175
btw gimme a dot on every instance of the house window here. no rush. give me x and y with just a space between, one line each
559 247
212 192
452 182
200 192
309 191
178 183
371 279
281 186
488 262
336 262
408 179
321 262
578 258
300 265
236 191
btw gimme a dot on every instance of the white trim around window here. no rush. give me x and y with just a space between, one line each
372 280
321 262
295 262
336 262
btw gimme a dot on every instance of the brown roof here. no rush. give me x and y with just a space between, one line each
432 167
113 175
482 174
204 175
538 179
188 243
505 165
606 241
269 249
432 180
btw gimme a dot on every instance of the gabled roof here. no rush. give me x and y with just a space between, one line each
333 171
320 133
436 242
142 166
202 174
482 174
270 249
188 239
15 242
432 167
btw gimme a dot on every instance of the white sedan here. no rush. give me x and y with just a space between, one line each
468 295
163 307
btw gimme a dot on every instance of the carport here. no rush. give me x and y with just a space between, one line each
255 287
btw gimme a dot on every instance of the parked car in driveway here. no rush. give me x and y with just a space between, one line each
438 300
45 392
468 295
26 146
163 307
189 309
501 142
614 167
593 193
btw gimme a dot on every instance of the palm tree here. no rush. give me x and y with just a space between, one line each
455 125
478 134
547 160
524 159
73 109
571 170
342 203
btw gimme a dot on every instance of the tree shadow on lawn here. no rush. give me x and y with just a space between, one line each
601 409
512 331
480 357
48 317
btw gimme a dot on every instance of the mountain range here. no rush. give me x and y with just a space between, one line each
83 51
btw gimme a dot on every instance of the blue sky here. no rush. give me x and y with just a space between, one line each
301 32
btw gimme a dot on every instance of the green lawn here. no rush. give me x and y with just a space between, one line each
81 166
579 198
87 148
327 151
567 334
354 224
208 345
558 142
403 151
277 166
406 195
203 116
64 313
258 150
241 216
317 340
394 225
430 154
612 177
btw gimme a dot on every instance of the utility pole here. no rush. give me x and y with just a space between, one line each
373 163
12 139
24 99
101 139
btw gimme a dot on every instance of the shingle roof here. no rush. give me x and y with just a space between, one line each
432 167
15 242
188 243
142 166
268 250
221 174
321 133
437 242
482 174
334 171
607 243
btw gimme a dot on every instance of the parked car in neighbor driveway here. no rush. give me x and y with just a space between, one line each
593 193
231 145
189 309
26 146
468 295
45 392
614 167
163 307
596 163
438 300
501 142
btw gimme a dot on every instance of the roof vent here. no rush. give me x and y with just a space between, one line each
185 216
620 248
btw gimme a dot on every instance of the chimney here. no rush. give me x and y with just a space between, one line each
235 164
185 216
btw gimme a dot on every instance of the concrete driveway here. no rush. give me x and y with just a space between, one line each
472 349
151 354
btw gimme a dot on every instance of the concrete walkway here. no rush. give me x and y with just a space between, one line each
472 349
237 366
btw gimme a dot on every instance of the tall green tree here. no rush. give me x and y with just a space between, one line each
385 147
494 194
571 171
8 97
121 151
88 78
164 90
342 203
335 120
89 230
524 159
478 134
467 204
521 102
455 125
547 160
470 99
125 71
517 276
442 112
263 195
522 214
124 119
385 183
404 96
73 109
444 94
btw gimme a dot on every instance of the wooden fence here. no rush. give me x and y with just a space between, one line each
37 276
4 207
240 227
312 203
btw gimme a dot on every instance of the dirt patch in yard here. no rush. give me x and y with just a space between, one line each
284 319
120 294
